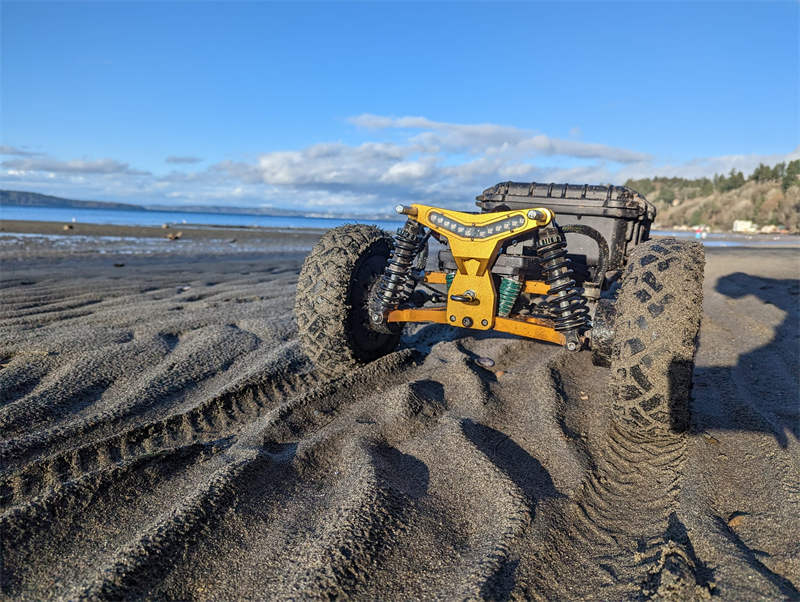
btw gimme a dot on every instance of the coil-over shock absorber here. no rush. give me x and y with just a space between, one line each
564 298
397 283
507 295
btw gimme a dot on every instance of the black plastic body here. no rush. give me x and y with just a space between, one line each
620 215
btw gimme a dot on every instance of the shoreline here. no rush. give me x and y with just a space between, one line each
189 231
297 237
33 242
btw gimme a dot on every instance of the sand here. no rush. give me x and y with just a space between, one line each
163 436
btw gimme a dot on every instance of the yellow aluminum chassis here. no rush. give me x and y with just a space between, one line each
475 250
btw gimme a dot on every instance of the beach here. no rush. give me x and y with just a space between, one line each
162 435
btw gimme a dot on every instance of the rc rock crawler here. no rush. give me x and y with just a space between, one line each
568 265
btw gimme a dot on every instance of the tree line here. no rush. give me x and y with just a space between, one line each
669 189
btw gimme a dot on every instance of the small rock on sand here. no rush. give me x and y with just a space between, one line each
736 519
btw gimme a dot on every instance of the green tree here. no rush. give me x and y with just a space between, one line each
790 176
762 173
644 186
736 179
696 218
667 194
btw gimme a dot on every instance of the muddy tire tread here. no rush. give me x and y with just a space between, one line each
659 308
322 302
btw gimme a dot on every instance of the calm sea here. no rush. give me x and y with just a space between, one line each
156 218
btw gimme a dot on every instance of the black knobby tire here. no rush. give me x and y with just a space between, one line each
331 299
658 312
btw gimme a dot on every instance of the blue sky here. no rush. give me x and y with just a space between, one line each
355 106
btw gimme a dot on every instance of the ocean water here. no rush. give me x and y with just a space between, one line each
156 218
123 217
733 239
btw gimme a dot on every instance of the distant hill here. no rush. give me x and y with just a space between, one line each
763 203
770 196
20 198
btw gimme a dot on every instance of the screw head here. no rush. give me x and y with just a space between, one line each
399 208
467 322
533 214
484 322
452 318
572 346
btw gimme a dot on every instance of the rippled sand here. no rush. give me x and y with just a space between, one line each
164 436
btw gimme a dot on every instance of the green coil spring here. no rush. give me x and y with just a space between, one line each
449 279
509 291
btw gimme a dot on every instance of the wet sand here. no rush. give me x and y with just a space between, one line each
32 240
162 435
189 231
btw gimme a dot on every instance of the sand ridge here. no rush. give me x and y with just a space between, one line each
162 435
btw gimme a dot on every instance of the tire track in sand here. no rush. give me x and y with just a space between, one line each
620 534
213 418
141 564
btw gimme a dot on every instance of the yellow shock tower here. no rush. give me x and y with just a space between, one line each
475 241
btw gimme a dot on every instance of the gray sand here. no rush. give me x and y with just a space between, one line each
162 435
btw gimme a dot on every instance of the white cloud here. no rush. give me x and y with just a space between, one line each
440 162
489 138
17 152
406 171
182 159
99 166
326 164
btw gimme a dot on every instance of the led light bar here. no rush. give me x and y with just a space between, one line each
470 231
